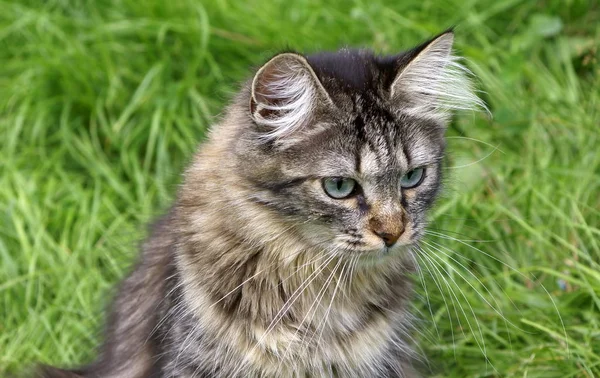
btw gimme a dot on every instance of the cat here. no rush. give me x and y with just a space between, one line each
287 252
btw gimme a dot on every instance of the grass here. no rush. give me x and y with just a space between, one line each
102 103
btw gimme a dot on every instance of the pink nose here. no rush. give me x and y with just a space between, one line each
388 239
389 231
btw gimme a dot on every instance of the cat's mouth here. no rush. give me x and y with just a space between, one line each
369 244
356 243
372 251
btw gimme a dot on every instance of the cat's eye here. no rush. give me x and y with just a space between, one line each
339 187
412 178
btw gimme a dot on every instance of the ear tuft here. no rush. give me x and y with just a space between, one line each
434 82
285 94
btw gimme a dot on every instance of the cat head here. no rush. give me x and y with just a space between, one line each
348 146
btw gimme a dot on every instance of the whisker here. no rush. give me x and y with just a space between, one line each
295 295
474 248
287 305
318 257
438 285
475 140
564 329
317 299
472 286
482 267
422 279
326 317
481 345
434 228
475 162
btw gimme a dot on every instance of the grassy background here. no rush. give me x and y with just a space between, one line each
102 102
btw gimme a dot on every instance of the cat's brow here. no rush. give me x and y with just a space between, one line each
278 186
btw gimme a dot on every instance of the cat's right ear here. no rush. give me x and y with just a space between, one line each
286 96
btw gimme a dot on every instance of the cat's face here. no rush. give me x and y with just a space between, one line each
363 184
348 147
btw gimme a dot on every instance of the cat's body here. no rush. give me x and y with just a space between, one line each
255 271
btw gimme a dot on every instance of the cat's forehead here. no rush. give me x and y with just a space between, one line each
365 149
365 135
379 145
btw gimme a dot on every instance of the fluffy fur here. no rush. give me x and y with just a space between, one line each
256 271
434 83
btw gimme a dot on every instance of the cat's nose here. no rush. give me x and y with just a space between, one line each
389 232
388 239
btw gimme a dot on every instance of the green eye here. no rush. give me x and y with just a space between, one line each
339 187
412 178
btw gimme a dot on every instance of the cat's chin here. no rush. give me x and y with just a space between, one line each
377 253
377 259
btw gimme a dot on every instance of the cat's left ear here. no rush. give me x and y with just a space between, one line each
430 82
286 96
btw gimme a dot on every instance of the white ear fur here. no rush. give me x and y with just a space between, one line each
434 83
285 94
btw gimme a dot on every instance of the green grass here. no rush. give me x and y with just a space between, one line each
103 102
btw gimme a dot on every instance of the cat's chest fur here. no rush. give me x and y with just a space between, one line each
336 328
245 303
